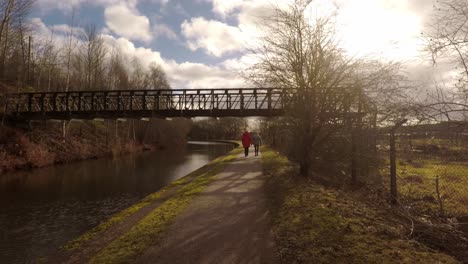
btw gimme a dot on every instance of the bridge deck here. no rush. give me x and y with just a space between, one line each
146 103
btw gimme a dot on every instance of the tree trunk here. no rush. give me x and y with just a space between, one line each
6 16
28 76
354 158
5 46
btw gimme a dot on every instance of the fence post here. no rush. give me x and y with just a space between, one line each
439 198
354 162
393 176
355 130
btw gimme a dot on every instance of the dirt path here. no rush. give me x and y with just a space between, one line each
226 223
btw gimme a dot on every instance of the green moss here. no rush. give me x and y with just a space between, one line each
147 232
313 224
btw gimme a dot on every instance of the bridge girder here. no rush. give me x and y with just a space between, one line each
146 103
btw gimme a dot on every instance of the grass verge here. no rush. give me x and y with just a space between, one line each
418 184
313 224
148 230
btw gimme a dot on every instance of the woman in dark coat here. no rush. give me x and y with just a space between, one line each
246 142
256 141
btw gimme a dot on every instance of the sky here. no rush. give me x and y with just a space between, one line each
203 43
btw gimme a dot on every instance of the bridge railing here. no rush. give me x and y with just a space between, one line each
174 102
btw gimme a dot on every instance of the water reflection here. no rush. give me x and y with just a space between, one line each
41 210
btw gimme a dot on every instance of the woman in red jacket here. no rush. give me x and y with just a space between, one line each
246 141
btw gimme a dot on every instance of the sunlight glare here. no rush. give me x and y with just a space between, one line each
377 28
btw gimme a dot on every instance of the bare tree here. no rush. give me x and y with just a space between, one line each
139 78
447 38
117 72
447 33
157 77
69 50
93 52
13 12
303 56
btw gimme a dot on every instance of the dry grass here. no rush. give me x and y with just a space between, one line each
313 224
417 184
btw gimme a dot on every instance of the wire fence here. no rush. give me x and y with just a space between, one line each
431 170
431 162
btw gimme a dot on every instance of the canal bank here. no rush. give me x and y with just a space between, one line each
43 209
128 233
45 143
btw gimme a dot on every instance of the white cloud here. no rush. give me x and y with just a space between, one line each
215 37
68 5
224 8
164 30
127 22
46 5
161 2
384 28
198 75
180 75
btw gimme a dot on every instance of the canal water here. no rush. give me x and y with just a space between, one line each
43 209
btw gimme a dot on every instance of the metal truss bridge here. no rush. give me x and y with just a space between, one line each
145 103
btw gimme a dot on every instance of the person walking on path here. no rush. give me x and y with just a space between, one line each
257 141
246 142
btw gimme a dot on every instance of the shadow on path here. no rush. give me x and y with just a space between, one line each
227 223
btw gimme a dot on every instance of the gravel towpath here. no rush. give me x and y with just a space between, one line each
227 223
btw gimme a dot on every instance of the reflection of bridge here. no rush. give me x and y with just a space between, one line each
145 103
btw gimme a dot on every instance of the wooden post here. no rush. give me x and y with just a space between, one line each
393 168
355 131
439 198
354 162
